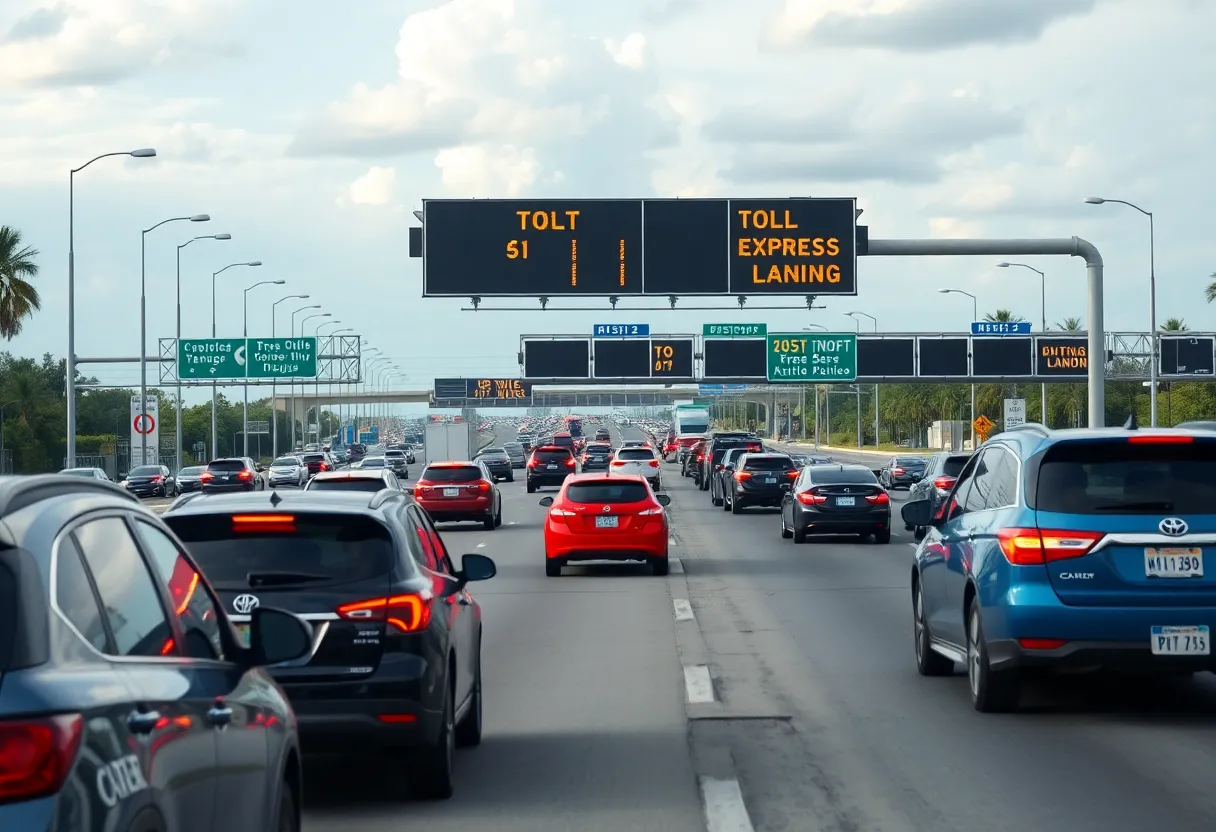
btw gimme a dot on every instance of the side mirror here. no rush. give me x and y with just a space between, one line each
476 568
546 501
663 499
918 513
277 636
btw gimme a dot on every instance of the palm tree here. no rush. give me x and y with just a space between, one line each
1210 292
1002 316
1070 325
18 298
1174 325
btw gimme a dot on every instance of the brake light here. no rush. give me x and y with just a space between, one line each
405 613
650 512
396 719
810 498
570 462
654 463
792 474
532 463
897 471
324 466
158 478
245 476
37 754
206 476
263 522
879 499
944 483
740 476
1160 440
1042 643
561 512
700 457
1028 547
617 462
480 485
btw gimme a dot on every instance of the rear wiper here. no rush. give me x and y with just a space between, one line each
278 578
1146 505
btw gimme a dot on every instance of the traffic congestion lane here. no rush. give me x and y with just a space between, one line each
584 706
813 643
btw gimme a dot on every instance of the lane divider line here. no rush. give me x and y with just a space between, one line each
698 686
683 609
725 810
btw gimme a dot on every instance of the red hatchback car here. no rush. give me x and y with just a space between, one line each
597 517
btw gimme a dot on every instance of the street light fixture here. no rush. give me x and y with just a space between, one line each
215 441
975 316
274 413
140 153
178 370
245 334
1152 300
1043 309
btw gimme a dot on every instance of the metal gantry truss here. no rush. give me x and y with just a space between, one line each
339 361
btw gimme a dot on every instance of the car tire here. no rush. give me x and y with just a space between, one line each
799 535
786 533
660 566
992 692
468 730
433 766
289 817
717 501
511 477
489 523
531 487
735 508
725 505
498 517
928 662
883 536
553 568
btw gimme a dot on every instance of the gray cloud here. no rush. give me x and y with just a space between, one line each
937 25
753 125
665 11
38 24
844 164
328 135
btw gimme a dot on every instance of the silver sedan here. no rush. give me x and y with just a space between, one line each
288 470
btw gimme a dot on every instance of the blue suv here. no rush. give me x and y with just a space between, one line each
1068 550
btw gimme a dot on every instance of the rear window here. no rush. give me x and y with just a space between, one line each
463 473
313 457
366 484
607 491
144 471
953 466
494 452
192 472
551 456
395 454
1122 478
285 462
911 461
768 463
314 550
846 476
635 453
603 450
226 465
374 462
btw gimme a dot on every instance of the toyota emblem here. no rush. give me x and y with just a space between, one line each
607 509
1173 526
245 604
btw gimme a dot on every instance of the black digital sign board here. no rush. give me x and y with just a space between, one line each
736 358
943 357
596 248
1187 355
1057 356
451 388
1002 357
497 388
558 358
667 358
886 357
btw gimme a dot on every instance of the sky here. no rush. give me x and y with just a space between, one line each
311 131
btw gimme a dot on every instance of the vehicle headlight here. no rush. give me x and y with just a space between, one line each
123 483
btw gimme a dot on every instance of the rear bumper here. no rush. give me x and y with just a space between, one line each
1088 656
762 496
864 522
227 488
563 544
454 509
546 479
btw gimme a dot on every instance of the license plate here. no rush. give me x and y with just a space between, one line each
770 480
606 522
451 492
551 467
846 501
1173 563
242 630
1181 641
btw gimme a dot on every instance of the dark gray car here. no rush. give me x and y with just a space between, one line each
516 452
497 462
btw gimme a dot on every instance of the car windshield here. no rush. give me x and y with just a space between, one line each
368 484
327 549
285 462
452 473
843 476
635 453
1122 478
226 465
145 471
607 491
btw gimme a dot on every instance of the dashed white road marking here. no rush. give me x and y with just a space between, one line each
698 686
677 566
513 523
481 545
725 810
683 609
671 541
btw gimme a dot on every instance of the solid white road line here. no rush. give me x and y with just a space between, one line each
683 609
698 687
725 810
677 566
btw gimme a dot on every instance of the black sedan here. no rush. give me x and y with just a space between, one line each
497 462
151 481
758 480
939 478
596 455
903 471
190 479
836 499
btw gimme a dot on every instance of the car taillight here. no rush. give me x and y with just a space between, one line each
617 462
700 457
944 483
810 498
740 476
37 754
480 485
1160 440
405 613
324 467
245 476
206 476
263 523
650 511
1028 547
792 474
570 462
531 463
158 478
654 463
561 512
897 471
879 499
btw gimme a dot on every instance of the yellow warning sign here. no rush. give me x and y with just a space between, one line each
983 426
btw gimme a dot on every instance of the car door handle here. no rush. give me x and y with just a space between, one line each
220 715
142 722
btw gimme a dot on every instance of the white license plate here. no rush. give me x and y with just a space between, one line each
551 467
770 480
606 522
451 492
1181 641
846 501
1173 563
242 630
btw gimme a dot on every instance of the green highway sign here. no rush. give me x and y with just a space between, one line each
814 358
734 330
282 357
232 358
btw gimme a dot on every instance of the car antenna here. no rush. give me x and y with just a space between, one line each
1131 423
275 499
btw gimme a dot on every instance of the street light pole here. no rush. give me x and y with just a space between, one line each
1043 309
245 335
1152 302
874 321
177 369
364 368
215 440
303 428
317 384
274 415
975 316
70 380
143 330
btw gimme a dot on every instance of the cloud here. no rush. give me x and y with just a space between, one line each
40 23
631 52
478 171
376 187
919 25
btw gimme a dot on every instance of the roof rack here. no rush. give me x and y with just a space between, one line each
1033 427
21 490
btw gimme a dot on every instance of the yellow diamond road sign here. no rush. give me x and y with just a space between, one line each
982 424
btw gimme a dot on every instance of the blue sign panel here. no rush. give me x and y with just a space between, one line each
621 331
1000 327
720 389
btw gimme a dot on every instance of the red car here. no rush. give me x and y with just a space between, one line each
597 517
451 491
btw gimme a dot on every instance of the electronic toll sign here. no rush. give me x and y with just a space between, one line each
590 248
473 392
1061 356
664 358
